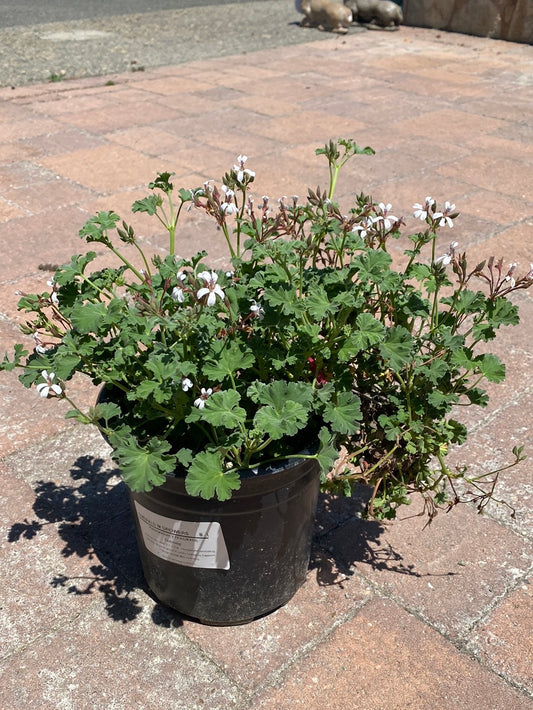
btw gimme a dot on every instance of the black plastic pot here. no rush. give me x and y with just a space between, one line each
229 562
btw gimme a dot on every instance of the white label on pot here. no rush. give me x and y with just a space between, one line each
183 542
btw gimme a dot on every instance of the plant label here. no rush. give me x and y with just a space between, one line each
182 542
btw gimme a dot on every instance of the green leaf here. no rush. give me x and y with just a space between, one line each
207 479
477 396
162 182
440 400
78 263
436 370
397 347
19 353
104 411
287 407
95 229
65 363
142 468
221 409
463 358
163 366
319 304
146 389
374 265
278 392
491 367
281 420
89 318
148 204
345 415
229 361
327 454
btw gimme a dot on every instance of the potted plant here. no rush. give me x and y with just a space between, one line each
230 394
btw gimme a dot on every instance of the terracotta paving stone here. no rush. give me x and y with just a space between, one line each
9 211
453 124
500 209
105 168
385 657
455 89
511 177
391 616
28 128
170 85
74 102
33 240
517 150
113 118
502 641
23 173
50 195
94 661
513 244
27 418
37 552
154 142
250 654
490 448
63 141
437 572
190 104
513 107
10 152
9 298
305 126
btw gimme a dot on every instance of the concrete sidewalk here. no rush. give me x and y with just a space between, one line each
391 616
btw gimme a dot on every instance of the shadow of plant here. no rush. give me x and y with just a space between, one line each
345 543
93 519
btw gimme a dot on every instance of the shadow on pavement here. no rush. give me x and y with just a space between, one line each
93 519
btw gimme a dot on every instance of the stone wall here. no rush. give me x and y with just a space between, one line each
502 19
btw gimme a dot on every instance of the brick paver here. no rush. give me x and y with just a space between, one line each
391 616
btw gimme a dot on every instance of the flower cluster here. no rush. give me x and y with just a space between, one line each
309 334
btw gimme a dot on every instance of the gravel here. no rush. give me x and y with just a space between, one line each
110 45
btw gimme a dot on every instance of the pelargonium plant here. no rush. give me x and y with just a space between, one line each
311 343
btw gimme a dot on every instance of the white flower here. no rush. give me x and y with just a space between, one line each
257 311
509 276
55 288
204 395
421 211
443 216
44 388
241 170
177 294
446 259
211 288
186 384
365 225
40 347
228 208
388 219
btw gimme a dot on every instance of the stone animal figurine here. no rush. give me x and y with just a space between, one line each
383 13
331 15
